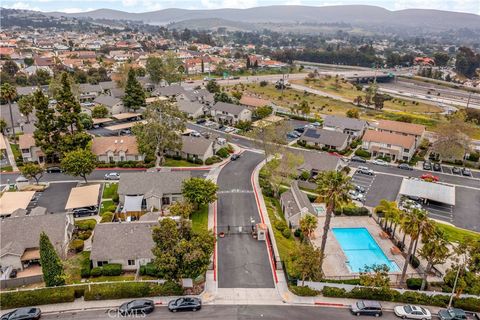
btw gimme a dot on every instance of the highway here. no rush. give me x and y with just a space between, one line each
228 312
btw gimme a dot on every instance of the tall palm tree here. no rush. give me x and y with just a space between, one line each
426 230
26 106
389 210
308 224
332 187
9 93
434 251
412 225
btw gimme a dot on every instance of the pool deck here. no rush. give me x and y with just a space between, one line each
334 265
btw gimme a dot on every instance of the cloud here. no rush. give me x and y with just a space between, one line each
217 4
75 10
21 6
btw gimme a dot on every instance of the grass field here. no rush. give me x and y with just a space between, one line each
200 219
178 163
109 190
455 234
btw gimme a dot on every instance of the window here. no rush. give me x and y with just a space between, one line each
131 262
101 263
389 145
406 150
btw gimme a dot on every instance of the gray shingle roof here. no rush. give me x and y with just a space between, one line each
169 91
195 145
122 241
87 87
189 107
231 108
325 137
296 201
344 123
108 101
159 183
319 161
107 85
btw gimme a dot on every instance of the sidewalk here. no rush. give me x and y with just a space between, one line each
10 155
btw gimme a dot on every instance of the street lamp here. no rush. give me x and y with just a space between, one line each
454 286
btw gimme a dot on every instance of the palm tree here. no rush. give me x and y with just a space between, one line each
389 210
435 251
9 93
308 224
413 223
426 230
332 187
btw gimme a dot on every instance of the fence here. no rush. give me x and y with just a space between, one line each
18 282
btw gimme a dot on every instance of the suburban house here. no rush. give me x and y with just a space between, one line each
114 105
316 162
254 102
195 148
193 109
402 128
88 92
170 92
115 149
129 244
229 113
321 138
295 205
387 144
20 238
30 152
355 128
200 95
140 191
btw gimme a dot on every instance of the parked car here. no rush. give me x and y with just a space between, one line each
456 170
137 307
404 166
452 314
365 170
380 162
229 130
83 212
368 308
28 313
13 274
201 120
235 157
410 204
125 131
358 159
316 124
112 176
427 165
412 312
300 129
54 169
354 195
429 176
293 135
185 304
205 134
467 172
437 167
360 189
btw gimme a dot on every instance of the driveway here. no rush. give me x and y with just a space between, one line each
243 262
55 197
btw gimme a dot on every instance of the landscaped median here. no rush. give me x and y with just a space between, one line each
90 292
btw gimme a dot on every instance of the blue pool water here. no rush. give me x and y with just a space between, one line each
361 249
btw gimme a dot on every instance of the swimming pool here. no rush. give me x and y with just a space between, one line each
361 249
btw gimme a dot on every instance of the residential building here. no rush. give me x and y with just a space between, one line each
321 138
229 113
129 244
193 109
355 128
171 91
402 128
316 162
30 152
254 102
115 149
195 148
387 144
153 189
114 105
295 205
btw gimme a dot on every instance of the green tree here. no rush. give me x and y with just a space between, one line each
212 86
3 125
9 93
68 107
304 107
52 267
159 133
79 163
86 120
435 251
244 125
199 191
181 208
353 113
26 106
308 224
10 67
32 171
99 111
375 276
154 68
282 170
222 97
171 71
269 137
262 112
307 261
134 95
46 135
388 209
332 187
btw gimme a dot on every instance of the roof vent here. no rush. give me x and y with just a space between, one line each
116 141
121 141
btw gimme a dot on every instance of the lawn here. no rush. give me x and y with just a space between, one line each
169 162
109 190
105 205
455 234
125 277
16 151
73 265
6 169
200 219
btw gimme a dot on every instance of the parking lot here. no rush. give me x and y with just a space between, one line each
377 187
439 211
55 197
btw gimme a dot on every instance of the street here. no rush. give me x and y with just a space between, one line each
227 312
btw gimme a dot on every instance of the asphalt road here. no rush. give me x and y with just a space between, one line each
243 261
228 312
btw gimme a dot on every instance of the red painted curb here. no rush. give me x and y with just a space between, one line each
157 303
215 237
331 304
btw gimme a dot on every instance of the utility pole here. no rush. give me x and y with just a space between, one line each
468 101
454 286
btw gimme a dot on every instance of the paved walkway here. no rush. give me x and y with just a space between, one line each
10 155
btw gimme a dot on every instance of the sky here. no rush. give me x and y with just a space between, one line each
470 6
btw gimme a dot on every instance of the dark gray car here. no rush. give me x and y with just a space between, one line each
366 308
185 304
23 314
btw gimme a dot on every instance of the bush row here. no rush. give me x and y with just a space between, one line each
352 211
125 164
471 304
150 270
77 245
223 153
212 160
363 153
107 217
111 269
123 290
83 225
18 299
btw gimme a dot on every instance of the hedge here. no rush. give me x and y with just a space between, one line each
107 217
362 153
303 291
77 245
352 211
85 266
223 152
84 235
414 283
88 224
111 269
124 290
149 270
212 160
410 297
18 299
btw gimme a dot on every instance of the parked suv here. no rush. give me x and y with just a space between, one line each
365 170
83 212
427 165
452 314
367 308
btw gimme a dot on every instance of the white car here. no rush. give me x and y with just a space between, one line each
112 176
229 129
365 170
195 134
380 162
412 312
354 195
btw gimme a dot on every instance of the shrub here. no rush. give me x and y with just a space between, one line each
85 267
177 157
223 152
303 291
107 217
297 233
150 270
414 283
263 83
111 208
77 245
212 160
198 161
112 269
18 299
286 233
305 175
116 198
334 292
415 262
471 304
363 153
96 272
280 225
84 235
88 224
123 290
